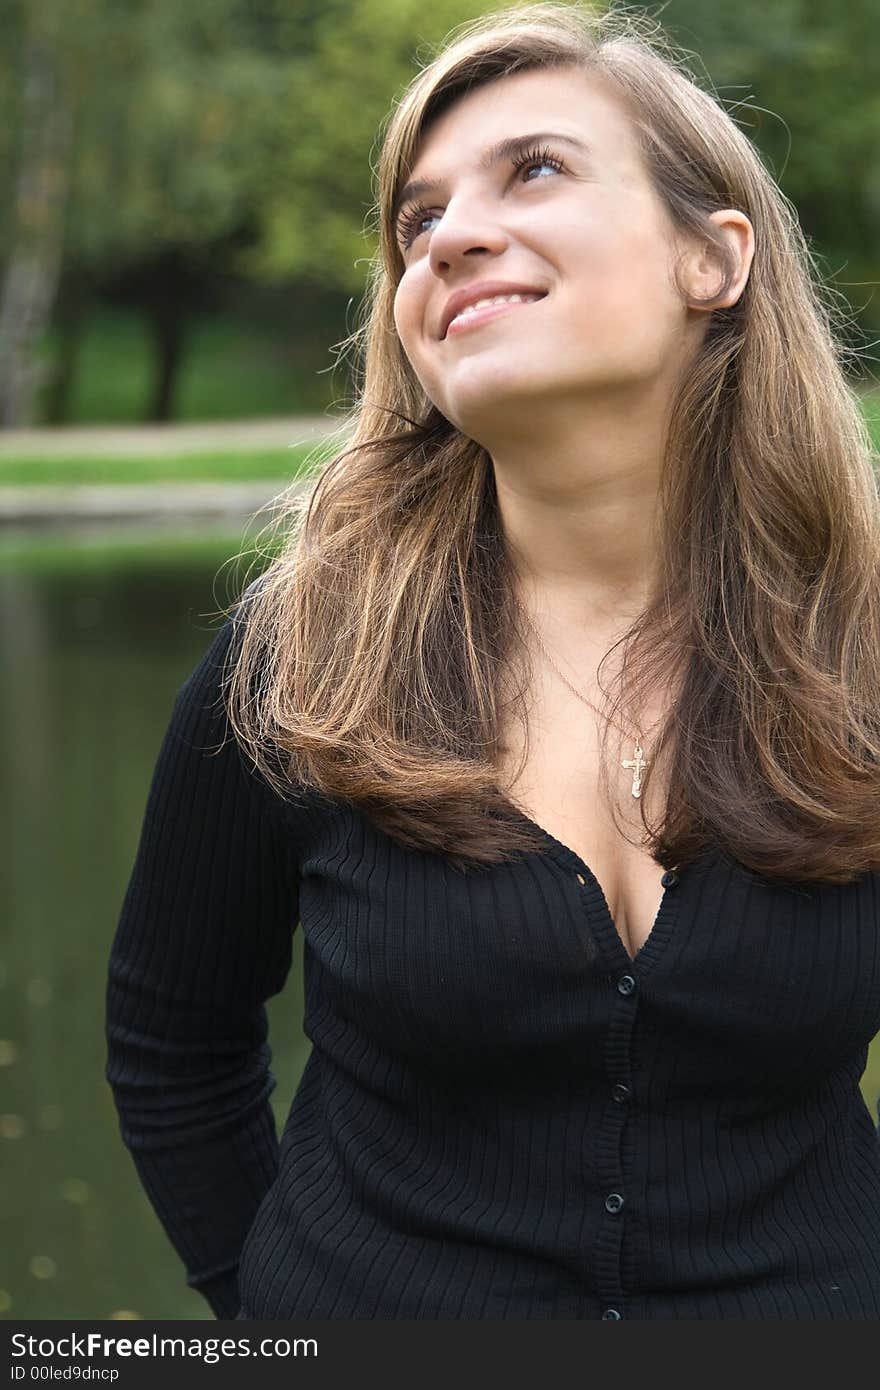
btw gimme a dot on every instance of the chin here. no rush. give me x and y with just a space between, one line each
476 385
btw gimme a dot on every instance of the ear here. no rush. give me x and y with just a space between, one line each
704 271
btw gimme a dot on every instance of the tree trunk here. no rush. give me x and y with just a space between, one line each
168 334
31 277
71 315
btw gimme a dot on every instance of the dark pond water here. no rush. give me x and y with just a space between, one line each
95 644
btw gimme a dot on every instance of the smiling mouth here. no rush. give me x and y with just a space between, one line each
473 317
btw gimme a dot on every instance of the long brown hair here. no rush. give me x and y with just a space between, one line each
374 663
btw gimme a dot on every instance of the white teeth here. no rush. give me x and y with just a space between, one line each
497 299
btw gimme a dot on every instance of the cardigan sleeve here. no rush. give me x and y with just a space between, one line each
203 939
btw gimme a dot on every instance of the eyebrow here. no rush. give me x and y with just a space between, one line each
495 154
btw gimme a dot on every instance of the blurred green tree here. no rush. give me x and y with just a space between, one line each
37 195
228 139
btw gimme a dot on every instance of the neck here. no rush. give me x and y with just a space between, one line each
581 520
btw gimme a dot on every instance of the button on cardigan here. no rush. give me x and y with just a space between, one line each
502 1114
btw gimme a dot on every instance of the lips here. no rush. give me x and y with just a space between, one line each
486 289
485 312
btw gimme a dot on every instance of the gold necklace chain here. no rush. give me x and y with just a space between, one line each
638 760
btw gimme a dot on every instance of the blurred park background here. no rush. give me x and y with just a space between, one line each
184 240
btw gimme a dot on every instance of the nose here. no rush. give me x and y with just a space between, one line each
465 229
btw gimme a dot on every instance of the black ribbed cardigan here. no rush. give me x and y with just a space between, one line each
502 1115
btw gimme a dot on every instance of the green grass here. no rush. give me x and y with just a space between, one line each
229 371
226 466
39 553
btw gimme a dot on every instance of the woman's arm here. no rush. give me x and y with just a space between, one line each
203 939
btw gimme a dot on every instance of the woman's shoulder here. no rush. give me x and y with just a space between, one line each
208 706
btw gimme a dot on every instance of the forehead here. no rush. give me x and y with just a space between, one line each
563 99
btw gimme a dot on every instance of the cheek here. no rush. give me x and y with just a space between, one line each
408 319
407 313
617 255
398 320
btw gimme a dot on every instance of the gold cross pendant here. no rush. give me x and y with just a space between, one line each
636 762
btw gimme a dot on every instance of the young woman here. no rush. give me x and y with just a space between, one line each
560 721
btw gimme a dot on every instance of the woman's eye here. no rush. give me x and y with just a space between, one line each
538 158
409 225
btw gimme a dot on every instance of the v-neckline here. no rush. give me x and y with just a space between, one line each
609 937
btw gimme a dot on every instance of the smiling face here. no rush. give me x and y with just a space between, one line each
536 186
